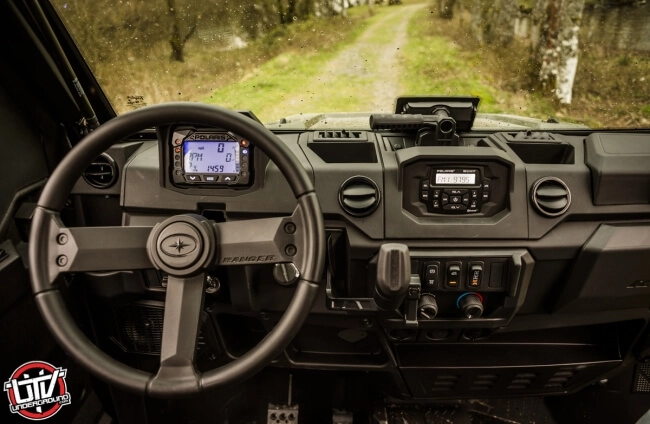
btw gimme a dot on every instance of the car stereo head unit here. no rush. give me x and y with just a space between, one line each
454 190
210 158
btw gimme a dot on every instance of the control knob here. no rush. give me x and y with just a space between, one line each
286 273
428 307
471 305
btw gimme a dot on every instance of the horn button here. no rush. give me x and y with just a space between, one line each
182 245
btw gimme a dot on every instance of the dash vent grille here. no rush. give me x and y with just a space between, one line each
102 172
550 196
339 135
359 196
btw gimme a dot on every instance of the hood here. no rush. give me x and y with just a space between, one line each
360 121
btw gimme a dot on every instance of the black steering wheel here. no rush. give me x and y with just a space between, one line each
185 247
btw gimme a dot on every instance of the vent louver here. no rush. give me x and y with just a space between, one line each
550 196
359 196
339 135
102 172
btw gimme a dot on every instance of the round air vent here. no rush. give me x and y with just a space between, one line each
359 196
102 172
550 196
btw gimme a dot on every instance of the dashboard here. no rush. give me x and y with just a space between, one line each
526 253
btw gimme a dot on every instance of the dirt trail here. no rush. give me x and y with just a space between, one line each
369 68
385 75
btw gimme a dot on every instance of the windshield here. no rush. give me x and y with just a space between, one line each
571 61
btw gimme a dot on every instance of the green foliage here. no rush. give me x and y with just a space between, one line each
445 61
290 82
624 60
610 90
127 43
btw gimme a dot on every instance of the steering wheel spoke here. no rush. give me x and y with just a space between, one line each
267 240
183 306
259 241
78 249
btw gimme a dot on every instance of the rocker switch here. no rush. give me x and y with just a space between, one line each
431 275
475 275
453 274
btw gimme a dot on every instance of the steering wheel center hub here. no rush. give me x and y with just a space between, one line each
179 245
182 245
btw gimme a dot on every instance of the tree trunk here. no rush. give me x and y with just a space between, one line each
446 9
176 41
558 49
505 17
282 15
476 19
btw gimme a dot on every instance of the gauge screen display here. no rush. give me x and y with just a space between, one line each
211 157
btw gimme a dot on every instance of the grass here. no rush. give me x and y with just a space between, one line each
440 63
286 71
297 81
610 89
229 78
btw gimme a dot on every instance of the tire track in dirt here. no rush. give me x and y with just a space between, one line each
369 68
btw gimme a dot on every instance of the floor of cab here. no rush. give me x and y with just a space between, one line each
359 397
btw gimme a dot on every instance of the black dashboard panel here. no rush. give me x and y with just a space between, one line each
504 272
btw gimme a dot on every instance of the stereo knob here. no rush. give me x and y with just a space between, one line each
471 305
428 307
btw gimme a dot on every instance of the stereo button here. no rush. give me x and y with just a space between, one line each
456 208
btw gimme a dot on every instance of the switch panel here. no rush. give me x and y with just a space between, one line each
460 285
453 274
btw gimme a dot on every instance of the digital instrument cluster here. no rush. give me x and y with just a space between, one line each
210 158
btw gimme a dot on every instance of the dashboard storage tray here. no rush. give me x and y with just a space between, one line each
620 168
